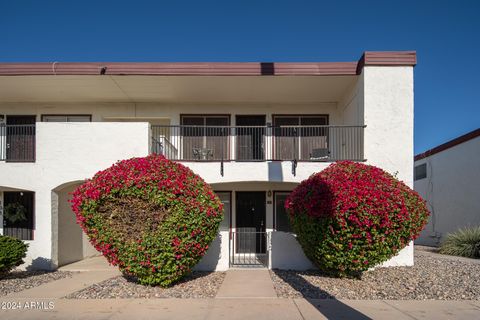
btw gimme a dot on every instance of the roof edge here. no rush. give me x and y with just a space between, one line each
449 144
369 58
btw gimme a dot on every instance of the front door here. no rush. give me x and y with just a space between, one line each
250 138
250 223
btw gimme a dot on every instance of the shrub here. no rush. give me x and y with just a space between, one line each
351 217
151 217
464 242
12 252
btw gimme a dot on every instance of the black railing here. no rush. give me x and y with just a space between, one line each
19 233
17 143
248 248
259 143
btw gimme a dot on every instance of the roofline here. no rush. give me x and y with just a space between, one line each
369 58
449 144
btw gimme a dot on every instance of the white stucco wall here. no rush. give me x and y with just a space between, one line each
286 253
388 109
68 152
387 104
451 189
351 106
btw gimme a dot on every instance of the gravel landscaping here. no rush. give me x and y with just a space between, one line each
196 285
21 280
433 277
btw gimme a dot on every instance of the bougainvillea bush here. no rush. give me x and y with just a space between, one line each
151 217
351 217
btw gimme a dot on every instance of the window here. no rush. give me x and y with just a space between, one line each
282 220
18 214
66 118
205 137
225 197
301 137
421 171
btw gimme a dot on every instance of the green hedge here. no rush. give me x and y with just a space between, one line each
12 253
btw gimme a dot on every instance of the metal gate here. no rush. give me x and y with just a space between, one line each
249 248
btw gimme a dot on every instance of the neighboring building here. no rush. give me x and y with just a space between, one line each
251 130
448 178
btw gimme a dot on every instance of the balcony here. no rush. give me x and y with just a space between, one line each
222 143
17 143
259 143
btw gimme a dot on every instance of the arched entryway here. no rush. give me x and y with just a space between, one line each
70 243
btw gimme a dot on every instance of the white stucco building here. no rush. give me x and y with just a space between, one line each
448 178
251 130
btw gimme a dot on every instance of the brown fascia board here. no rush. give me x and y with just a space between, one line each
397 58
449 144
387 58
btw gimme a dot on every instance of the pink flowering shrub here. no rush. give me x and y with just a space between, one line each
351 217
151 217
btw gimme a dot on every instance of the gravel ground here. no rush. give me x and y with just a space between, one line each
21 280
196 285
433 277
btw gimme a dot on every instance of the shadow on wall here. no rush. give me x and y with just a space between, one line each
275 173
330 308
212 257
40 263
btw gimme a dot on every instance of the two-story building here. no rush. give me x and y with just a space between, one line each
251 130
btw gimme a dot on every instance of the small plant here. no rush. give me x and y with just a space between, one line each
151 217
15 212
12 252
351 217
464 242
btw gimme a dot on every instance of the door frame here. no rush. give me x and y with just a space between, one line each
260 246
263 140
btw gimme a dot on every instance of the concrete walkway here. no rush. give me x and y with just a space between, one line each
245 308
247 283
85 273
244 294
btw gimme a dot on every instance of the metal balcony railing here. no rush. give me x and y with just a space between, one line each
259 143
17 142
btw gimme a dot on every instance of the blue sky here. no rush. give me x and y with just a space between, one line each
445 34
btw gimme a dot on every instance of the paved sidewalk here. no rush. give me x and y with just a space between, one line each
61 288
85 273
244 294
247 308
249 283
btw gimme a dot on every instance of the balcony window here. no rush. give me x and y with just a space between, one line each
301 137
66 118
205 137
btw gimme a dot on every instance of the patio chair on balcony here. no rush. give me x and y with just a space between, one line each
202 153
320 154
